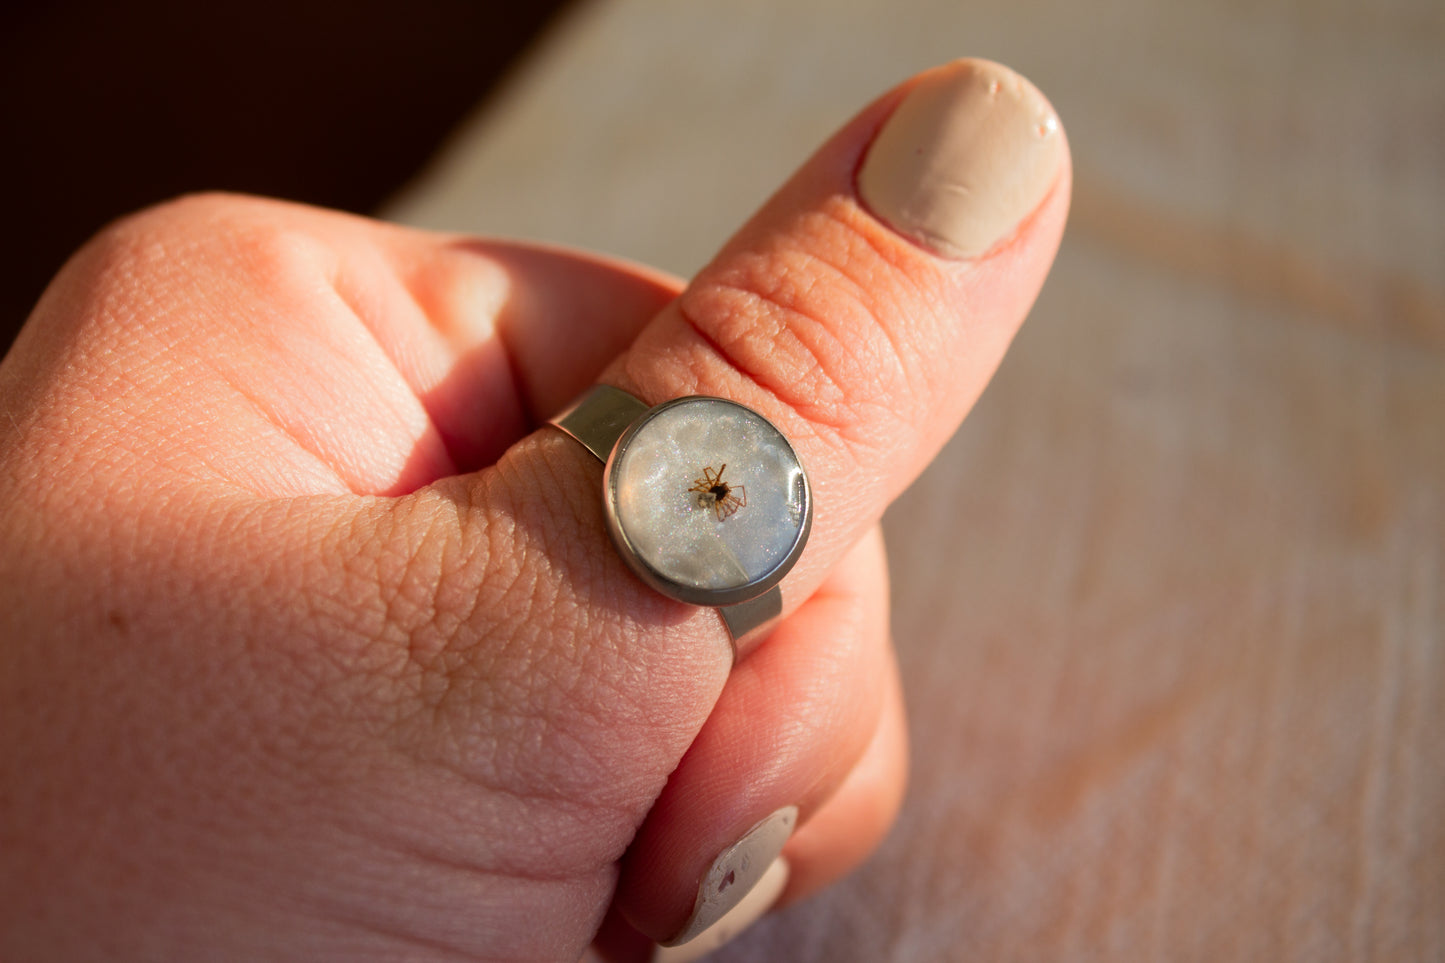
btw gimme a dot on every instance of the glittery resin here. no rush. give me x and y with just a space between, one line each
677 533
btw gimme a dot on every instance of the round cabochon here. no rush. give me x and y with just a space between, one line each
707 500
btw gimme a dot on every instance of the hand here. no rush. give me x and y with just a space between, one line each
314 643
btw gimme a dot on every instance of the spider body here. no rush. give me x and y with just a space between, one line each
713 492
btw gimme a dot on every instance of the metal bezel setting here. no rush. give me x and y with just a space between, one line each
659 580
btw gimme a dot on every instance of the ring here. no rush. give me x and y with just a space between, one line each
705 499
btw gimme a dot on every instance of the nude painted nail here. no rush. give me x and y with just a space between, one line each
969 153
749 909
738 871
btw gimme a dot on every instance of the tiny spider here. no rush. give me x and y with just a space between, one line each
712 490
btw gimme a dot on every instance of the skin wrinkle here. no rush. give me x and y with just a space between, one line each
400 907
604 653
513 587
411 603
427 654
502 328
380 650
571 847
743 325
381 564
429 436
540 939
444 322
396 935
299 262
435 720
882 248
574 671
708 300
565 677
761 285
538 548
458 325
307 609
582 721
322 465
593 579
516 383
453 592
799 429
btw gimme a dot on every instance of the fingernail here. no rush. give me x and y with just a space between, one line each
737 872
969 153
753 905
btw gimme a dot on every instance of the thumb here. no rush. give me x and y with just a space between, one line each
862 311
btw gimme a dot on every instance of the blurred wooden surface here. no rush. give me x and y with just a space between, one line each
1182 694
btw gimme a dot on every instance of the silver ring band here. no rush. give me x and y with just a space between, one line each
725 541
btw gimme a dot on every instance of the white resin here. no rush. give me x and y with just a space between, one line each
677 532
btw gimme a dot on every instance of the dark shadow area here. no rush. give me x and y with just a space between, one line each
108 107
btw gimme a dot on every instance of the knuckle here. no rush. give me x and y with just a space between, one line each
823 319
201 255
155 235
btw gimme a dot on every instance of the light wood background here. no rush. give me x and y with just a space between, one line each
1171 606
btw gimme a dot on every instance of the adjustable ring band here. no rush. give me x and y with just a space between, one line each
705 500
600 417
